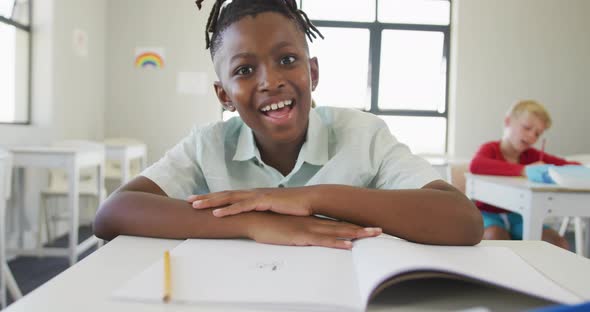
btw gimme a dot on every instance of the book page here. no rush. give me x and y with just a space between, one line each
224 271
378 259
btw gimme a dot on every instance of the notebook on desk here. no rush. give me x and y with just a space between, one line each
246 273
570 176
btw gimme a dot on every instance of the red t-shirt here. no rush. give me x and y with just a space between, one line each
489 160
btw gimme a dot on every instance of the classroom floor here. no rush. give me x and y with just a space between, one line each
32 272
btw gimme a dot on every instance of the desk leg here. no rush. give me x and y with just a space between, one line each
143 162
11 284
125 164
19 194
101 192
73 203
2 241
533 215
584 223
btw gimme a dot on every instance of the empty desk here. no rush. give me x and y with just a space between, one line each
71 159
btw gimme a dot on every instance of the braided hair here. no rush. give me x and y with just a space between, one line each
224 14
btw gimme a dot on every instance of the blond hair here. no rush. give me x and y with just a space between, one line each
532 107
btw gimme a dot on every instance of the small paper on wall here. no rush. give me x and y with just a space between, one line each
149 58
80 42
193 83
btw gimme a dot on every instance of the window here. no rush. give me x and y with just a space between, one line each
15 59
390 58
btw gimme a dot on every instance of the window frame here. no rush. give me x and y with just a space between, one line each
376 29
28 29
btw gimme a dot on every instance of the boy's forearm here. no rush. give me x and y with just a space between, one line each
483 165
428 215
145 214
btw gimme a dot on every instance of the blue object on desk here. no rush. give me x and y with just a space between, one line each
539 173
565 308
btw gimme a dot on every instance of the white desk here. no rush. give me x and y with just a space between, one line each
72 159
124 153
6 277
111 266
534 201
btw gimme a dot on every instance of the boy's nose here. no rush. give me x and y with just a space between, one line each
270 80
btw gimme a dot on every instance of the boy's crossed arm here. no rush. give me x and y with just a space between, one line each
141 208
435 214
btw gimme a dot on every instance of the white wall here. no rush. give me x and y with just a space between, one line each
79 81
143 103
505 50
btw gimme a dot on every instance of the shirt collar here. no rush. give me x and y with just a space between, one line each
315 148
313 151
246 148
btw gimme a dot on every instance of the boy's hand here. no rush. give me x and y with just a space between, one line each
288 201
538 162
278 229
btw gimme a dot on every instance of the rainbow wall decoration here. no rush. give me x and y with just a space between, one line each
149 58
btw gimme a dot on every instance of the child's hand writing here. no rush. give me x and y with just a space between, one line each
279 229
524 170
288 201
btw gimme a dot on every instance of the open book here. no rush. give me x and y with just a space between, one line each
249 274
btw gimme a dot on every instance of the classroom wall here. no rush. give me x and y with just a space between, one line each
144 103
502 51
79 82
505 50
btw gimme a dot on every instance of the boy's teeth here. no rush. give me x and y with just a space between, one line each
276 106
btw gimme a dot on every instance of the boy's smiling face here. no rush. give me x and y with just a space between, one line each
265 73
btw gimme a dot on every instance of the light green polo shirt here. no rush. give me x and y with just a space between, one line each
343 146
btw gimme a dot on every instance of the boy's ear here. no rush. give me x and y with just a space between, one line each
506 121
224 99
314 72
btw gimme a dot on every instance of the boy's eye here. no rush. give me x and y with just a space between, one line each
287 60
244 70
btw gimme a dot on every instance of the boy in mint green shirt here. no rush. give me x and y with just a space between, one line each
269 174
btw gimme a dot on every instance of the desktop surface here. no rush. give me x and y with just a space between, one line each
88 285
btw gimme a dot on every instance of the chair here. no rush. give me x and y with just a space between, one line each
458 168
50 216
578 228
123 152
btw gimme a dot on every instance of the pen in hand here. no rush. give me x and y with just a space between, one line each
542 150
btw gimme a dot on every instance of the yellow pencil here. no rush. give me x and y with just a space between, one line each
167 277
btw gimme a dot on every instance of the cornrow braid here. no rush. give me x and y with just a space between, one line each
224 14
